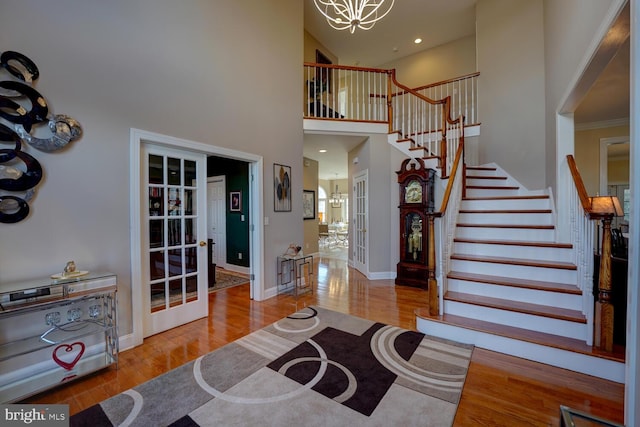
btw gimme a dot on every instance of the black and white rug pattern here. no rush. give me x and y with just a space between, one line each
315 368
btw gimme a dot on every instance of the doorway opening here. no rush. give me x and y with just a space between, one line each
139 217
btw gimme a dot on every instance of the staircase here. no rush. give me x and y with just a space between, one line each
511 287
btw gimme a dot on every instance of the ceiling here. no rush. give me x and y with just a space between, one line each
392 38
436 22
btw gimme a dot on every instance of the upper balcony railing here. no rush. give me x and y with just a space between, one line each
433 125
463 91
345 93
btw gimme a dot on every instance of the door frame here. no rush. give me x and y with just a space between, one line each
604 159
256 205
360 176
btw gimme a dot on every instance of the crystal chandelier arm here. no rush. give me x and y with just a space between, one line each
343 14
340 13
364 20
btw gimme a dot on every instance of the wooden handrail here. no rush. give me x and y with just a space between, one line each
443 82
604 308
585 201
446 117
454 170
347 67
407 89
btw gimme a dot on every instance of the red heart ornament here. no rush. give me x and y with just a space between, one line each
68 348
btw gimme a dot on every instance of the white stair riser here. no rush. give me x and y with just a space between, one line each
482 192
490 182
405 146
506 218
578 362
518 271
473 172
518 234
514 251
505 204
512 293
547 325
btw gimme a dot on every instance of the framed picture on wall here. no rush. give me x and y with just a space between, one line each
309 204
281 188
235 201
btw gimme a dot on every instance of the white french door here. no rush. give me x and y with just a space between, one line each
216 219
360 222
174 249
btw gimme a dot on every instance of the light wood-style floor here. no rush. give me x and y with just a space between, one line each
499 390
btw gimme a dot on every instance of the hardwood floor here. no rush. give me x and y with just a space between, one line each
500 390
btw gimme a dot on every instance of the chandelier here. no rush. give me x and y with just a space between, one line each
337 198
363 14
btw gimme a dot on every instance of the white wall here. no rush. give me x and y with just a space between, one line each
436 64
218 72
570 27
510 47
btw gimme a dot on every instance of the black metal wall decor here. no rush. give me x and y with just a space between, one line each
24 113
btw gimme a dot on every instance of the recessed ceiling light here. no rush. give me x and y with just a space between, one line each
418 40
322 151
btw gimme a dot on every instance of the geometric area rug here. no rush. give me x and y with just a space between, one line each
316 367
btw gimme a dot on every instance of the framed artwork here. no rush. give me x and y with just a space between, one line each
281 188
309 204
235 201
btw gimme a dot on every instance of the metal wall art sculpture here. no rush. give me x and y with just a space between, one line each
25 118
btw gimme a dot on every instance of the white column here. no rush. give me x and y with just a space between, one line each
632 381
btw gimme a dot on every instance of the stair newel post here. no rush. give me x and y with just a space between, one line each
442 162
432 283
605 208
390 76
604 307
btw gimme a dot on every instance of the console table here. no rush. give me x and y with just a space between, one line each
295 274
54 331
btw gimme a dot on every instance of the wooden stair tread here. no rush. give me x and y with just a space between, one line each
481 168
503 178
491 187
515 282
523 226
526 335
517 306
515 243
515 261
506 211
539 196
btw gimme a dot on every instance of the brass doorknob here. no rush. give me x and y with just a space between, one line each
203 243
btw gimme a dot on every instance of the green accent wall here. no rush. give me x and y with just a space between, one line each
237 179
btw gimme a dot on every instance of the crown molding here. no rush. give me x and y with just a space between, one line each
602 124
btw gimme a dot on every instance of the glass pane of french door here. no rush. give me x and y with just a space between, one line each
360 220
176 288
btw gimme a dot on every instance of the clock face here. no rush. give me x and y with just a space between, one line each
413 192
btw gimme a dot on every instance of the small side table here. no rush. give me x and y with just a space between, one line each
570 417
295 274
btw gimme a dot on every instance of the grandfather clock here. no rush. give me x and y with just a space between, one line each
416 199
